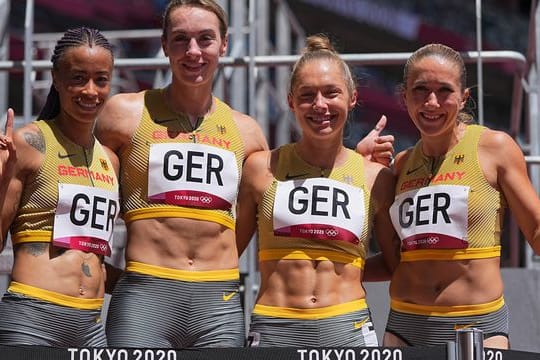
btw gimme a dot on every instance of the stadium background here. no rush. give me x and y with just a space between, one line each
357 27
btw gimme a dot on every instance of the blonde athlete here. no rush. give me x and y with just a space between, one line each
315 204
59 200
451 194
181 151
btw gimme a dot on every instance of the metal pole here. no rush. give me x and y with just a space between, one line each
531 259
469 344
237 39
398 58
4 49
250 281
451 350
479 62
28 55
283 46
534 121
6 258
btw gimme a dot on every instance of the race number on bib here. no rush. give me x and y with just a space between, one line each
319 208
434 217
192 175
85 218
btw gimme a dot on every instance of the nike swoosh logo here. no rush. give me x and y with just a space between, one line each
410 171
65 156
161 121
227 297
295 176
359 324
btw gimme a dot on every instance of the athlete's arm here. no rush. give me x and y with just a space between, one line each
112 274
254 179
30 147
251 133
117 121
254 141
500 149
381 266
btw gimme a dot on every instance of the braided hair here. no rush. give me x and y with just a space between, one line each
72 38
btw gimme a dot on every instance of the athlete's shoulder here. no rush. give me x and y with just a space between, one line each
251 132
401 159
499 148
119 118
122 103
256 174
243 120
257 161
495 138
29 135
31 147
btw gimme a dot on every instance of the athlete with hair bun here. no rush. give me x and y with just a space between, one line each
314 204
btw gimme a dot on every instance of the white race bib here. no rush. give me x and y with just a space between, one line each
433 217
85 218
192 175
319 208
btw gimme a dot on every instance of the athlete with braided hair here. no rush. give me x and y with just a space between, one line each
60 200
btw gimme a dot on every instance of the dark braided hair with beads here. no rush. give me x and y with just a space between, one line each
72 38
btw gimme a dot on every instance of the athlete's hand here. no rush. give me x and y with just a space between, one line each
8 155
376 147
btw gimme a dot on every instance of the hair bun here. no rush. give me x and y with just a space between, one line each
319 42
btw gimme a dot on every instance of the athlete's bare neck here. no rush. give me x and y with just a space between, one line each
196 102
440 145
323 154
78 132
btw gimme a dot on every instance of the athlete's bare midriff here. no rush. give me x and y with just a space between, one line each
182 244
68 272
308 284
447 283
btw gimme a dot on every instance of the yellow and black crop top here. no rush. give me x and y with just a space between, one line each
314 214
445 209
64 162
193 151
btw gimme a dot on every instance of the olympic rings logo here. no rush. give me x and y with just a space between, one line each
331 232
103 247
432 240
206 199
